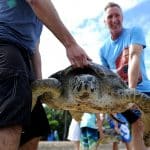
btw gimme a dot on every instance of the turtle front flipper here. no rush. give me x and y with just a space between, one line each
133 96
51 86
141 100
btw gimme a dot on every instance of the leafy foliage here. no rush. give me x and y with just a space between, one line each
58 120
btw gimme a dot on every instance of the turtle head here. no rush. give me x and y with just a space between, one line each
83 87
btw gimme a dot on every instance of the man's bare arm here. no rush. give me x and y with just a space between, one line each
47 13
134 64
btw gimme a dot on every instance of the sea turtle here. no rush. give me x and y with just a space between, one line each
90 89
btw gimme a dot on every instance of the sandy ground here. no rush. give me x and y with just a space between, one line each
71 146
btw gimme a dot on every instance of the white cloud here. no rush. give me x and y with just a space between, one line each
74 11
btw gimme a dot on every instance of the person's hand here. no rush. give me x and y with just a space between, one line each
138 128
77 56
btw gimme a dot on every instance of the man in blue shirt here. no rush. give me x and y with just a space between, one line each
20 29
122 52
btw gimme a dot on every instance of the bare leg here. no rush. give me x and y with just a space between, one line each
115 146
31 145
128 146
10 137
97 145
137 133
77 145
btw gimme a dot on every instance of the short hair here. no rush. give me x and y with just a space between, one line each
112 4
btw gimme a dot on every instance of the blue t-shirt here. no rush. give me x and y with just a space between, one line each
19 24
88 120
114 55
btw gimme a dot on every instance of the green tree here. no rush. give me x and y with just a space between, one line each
58 120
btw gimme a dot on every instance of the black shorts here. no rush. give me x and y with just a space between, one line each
39 125
16 94
15 89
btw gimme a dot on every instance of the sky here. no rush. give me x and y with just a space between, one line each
84 19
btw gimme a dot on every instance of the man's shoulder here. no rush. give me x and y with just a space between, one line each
133 29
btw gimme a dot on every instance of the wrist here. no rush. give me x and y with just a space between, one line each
69 43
